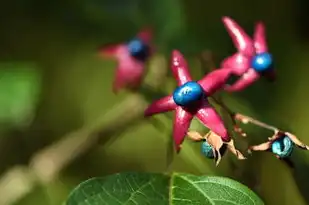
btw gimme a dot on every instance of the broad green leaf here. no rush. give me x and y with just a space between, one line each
19 89
153 189
125 188
210 190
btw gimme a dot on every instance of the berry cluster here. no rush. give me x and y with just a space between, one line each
190 99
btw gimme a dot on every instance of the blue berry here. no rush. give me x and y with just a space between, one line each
207 150
188 93
262 62
282 147
138 49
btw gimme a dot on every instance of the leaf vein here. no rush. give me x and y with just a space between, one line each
138 190
198 188
244 193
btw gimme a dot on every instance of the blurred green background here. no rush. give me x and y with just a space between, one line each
54 88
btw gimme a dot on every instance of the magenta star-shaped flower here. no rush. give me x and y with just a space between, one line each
252 59
131 57
190 99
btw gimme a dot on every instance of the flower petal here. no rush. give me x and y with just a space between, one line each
160 106
195 136
259 38
211 119
181 125
246 80
180 68
124 80
145 35
241 40
215 80
109 50
296 141
238 62
261 147
130 71
231 147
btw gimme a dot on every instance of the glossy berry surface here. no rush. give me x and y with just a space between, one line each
262 62
138 49
282 147
207 150
188 93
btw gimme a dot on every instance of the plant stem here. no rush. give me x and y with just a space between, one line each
246 119
45 165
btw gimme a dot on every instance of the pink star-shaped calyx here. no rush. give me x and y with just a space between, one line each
252 59
131 57
190 99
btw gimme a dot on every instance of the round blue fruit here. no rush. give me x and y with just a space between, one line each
207 150
138 49
188 93
282 147
262 62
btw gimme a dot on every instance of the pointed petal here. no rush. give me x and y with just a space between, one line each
259 38
122 80
245 81
160 106
261 147
241 40
180 68
195 136
215 141
296 141
181 125
277 135
238 62
215 80
145 35
231 147
211 119
109 50
129 73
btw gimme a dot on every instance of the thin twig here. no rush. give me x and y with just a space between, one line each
217 99
208 62
208 65
47 163
246 119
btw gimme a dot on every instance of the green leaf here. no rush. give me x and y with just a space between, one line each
210 190
153 189
124 188
19 89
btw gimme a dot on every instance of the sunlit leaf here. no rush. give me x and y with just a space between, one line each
177 189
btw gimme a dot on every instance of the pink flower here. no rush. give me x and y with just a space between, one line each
131 57
252 59
190 99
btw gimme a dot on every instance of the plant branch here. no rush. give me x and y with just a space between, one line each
45 166
246 119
